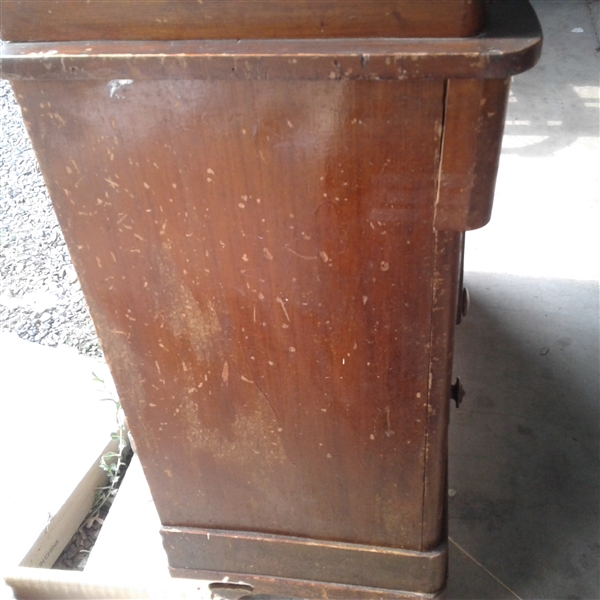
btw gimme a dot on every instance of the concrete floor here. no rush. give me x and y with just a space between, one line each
524 462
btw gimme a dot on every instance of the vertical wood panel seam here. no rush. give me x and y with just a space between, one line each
436 205
433 300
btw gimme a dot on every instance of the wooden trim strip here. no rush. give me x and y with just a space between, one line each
295 588
258 554
447 265
269 59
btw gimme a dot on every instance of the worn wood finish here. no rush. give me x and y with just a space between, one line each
56 20
447 274
300 372
470 155
299 588
511 44
304 560
269 60
269 236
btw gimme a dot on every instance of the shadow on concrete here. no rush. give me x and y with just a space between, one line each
524 464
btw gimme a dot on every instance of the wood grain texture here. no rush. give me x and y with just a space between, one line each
510 44
303 560
470 154
304 589
269 60
447 275
56 20
269 236
260 271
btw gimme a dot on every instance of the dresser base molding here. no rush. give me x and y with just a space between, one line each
308 568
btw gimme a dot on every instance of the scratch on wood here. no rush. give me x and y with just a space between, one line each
389 431
225 373
300 255
112 183
285 312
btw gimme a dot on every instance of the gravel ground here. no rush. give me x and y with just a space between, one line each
40 296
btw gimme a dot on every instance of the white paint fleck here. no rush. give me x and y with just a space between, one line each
115 85
225 373
300 255
389 431
285 312
112 183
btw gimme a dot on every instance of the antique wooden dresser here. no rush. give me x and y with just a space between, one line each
265 202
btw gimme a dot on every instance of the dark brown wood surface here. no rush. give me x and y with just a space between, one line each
473 127
269 236
258 259
347 570
56 20
269 60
